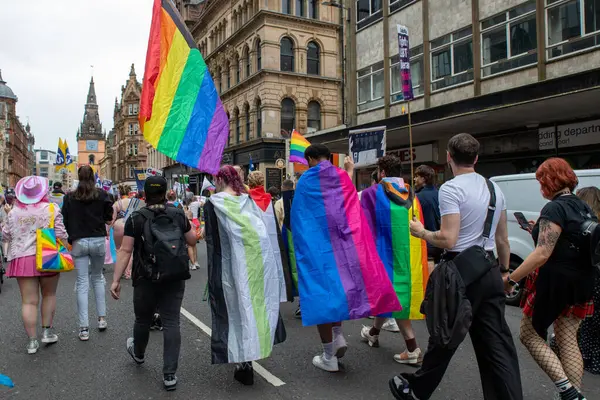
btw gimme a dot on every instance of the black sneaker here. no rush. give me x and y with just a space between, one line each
244 373
170 382
156 323
137 360
401 389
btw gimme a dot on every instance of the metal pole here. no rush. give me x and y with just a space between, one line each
410 151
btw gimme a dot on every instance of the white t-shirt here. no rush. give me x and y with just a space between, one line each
469 196
194 208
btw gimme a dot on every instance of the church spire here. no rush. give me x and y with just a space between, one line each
132 72
91 97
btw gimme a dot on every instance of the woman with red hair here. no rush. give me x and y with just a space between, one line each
560 279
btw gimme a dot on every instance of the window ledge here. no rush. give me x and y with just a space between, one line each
573 54
510 71
370 24
370 110
393 103
458 85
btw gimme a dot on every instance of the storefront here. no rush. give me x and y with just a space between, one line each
263 155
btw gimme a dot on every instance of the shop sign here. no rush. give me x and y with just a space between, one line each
366 146
570 135
420 154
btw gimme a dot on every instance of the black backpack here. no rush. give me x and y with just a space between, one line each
165 253
590 233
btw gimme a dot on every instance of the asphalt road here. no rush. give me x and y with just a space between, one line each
102 369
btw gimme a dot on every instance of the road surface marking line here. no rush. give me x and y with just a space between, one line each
269 377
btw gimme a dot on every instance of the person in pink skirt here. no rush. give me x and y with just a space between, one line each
32 212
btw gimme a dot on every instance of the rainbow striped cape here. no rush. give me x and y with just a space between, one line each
181 114
245 286
340 274
388 208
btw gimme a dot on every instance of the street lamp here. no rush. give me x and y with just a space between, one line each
343 46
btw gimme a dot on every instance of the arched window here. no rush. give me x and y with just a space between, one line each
286 6
287 55
247 113
238 70
288 117
238 125
314 117
312 58
220 79
247 61
92 159
227 70
258 118
258 56
229 136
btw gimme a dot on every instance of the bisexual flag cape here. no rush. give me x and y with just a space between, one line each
287 197
244 282
340 275
388 208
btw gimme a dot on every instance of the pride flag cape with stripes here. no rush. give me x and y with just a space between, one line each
340 274
388 207
181 114
244 281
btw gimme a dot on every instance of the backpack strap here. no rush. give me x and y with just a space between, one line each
487 226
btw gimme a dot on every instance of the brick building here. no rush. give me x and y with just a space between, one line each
16 146
277 66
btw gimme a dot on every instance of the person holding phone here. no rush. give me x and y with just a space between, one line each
560 279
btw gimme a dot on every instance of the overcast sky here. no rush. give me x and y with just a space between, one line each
46 51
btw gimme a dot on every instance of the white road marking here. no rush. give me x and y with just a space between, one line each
269 377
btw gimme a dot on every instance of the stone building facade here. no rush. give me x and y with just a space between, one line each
128 150
277 67
91 140
16 144
521 75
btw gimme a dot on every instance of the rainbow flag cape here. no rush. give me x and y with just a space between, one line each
244 280
181 114
298 145
388 208
340 274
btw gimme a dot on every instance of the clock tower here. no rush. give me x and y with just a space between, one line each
91 140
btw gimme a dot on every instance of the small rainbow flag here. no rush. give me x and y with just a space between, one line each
298 145
181 114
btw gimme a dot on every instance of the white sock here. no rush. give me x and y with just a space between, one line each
563 385
337 331
328 350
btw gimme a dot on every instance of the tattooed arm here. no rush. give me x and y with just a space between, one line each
549 234
445 238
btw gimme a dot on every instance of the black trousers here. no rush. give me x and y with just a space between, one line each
493 343
167 297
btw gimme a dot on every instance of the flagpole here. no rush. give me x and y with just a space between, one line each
410 151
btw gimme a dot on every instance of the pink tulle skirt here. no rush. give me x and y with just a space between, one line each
24 267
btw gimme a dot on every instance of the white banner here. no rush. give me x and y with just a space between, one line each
366 146
570 135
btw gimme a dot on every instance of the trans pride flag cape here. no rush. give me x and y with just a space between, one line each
387 207
340 275
244 282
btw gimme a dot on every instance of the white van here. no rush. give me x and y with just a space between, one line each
522 193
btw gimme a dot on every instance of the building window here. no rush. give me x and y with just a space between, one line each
238 127
238 71
572 26
300 8
313 9
130 108
247 123
452 59
312 58
287 55
286 6
130 130
131 171
416 74
220 79
258 56
136 108
136 128
247 61
509 40
398 4
370 87
258 119
288 117
135 149
227 77
44 155
91 158
314 117
367 12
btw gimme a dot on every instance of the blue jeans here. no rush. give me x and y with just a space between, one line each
88 254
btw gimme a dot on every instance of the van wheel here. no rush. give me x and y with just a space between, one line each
514 299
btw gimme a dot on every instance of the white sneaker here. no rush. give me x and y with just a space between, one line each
330 365
390 325
406 357
340 346
366 337
33 345
102 324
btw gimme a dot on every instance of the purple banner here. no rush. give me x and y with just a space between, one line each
403 47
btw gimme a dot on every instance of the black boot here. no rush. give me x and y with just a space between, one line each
244 373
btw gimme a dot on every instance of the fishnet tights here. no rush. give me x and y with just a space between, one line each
570 363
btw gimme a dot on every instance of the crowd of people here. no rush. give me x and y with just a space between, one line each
396 252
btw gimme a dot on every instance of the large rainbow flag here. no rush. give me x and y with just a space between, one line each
340 274
298 145
388 208
181 114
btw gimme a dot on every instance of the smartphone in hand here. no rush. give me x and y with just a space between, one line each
523 221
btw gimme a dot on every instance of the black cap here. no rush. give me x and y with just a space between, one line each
57 185
155 185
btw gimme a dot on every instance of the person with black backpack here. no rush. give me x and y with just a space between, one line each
157 235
